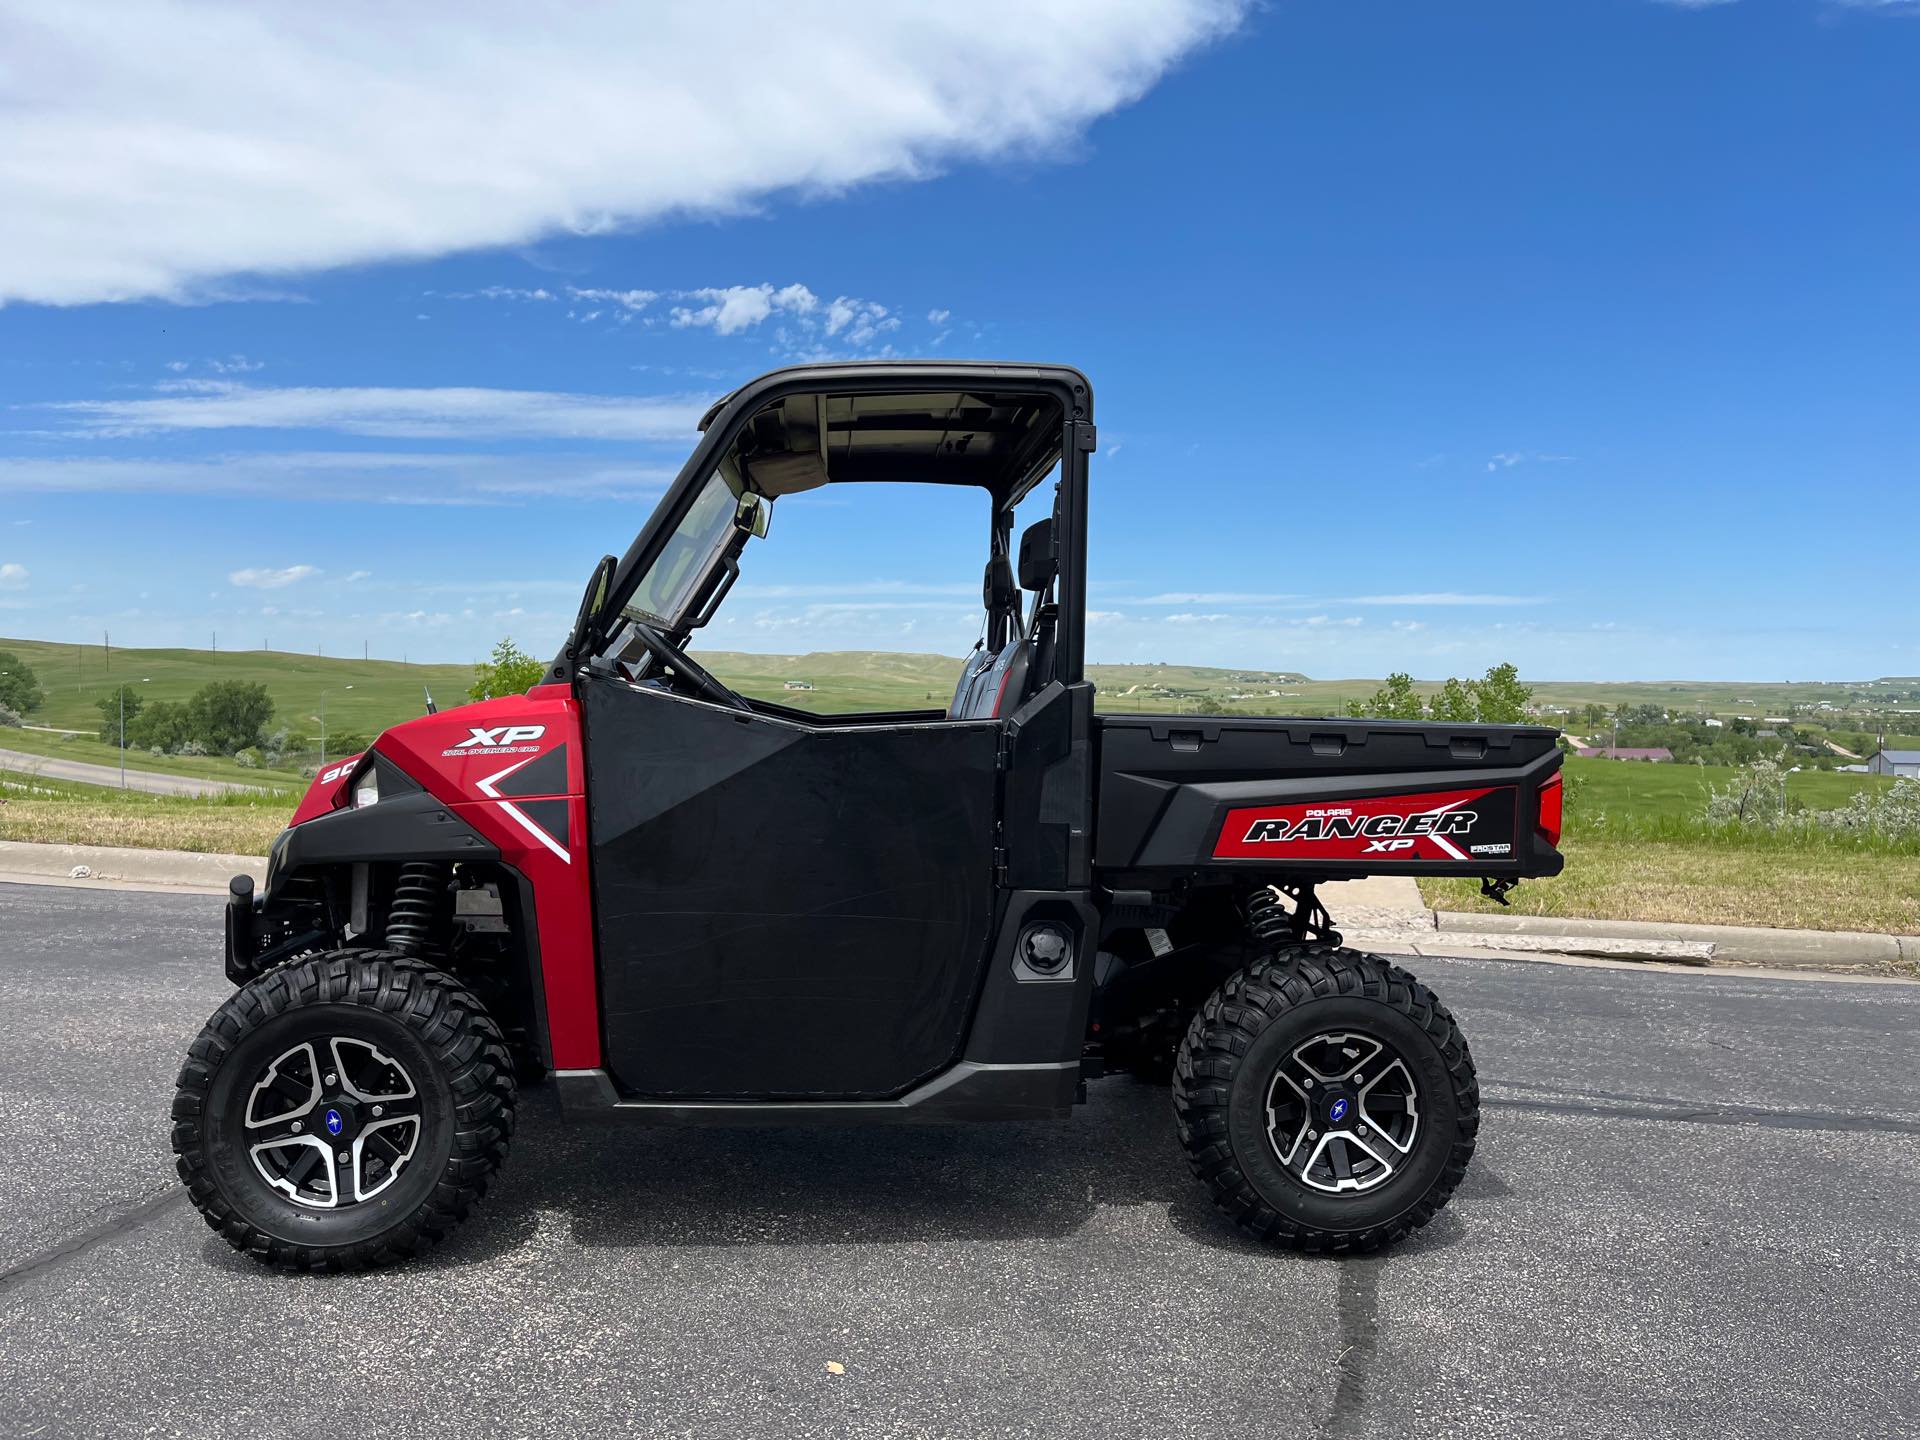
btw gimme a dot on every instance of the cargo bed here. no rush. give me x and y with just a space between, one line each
1325 798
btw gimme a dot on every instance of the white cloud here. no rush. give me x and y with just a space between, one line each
14 577
419 478
1216 597
1508 459
939 317
443 412
272 579
503 122
359 575
1186 618
1443 597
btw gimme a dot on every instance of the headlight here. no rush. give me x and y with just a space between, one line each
366 790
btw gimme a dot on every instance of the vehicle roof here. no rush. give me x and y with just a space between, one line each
917 372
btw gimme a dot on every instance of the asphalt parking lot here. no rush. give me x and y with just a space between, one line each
1695 1209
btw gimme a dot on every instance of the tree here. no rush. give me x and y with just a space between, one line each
19 690
162 725
229 715
111 714
1395 700
1455 702
511 671
1501 698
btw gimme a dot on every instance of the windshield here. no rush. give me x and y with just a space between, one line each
696 543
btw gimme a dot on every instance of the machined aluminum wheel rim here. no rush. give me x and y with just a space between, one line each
332 1122
1343 1112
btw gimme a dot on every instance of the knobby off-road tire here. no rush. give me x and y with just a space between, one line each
436 1041
1231 1098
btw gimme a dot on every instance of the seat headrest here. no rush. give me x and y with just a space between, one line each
1037 563
997 592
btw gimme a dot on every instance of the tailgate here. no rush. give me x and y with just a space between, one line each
1327 797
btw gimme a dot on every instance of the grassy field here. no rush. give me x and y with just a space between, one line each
383 691
92 751
1635 846
1638 849
1599 791
56 812
1800 887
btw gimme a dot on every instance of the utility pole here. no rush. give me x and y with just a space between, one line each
106 646
323 724
123 736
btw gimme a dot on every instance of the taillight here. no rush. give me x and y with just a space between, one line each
1550 800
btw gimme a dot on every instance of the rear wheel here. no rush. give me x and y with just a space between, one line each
343 1111
1326 1099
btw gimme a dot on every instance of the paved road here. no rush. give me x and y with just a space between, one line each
1693 1212
88 773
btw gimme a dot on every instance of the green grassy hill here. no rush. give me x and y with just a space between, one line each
383 691
367 696
1632 790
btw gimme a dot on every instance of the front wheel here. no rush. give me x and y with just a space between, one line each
343 1111
1327 1100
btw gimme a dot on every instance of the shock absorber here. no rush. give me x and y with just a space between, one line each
419 917
1279 915
1269 921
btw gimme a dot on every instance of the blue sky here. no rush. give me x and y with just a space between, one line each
1584 334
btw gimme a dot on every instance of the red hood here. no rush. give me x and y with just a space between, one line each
453 752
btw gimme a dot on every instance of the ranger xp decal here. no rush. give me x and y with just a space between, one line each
1434 825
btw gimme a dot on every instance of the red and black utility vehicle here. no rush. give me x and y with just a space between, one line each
673 904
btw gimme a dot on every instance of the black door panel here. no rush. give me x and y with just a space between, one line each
784 910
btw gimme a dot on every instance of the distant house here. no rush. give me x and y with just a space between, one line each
796 685
1896 762
1714 723
1652 754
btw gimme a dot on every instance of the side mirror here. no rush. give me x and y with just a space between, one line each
592 602
753 515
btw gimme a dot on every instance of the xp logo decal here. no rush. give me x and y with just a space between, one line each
497 740
1424 826
335 1122
1337 1111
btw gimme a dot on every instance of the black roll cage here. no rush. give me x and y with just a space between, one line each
723 423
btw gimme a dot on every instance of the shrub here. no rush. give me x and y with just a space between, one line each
19 690
229 715
511 671
1756 796
191 747
248 759
8 715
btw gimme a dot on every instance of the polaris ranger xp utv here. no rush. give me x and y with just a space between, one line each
674 904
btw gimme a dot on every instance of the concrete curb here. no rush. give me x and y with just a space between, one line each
113 866
1386 918
1730 944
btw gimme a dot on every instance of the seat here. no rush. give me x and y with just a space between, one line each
993 683
1001 596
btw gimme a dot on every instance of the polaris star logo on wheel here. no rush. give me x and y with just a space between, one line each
497 740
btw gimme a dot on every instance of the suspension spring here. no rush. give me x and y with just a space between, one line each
417 921
1289 915
1269 921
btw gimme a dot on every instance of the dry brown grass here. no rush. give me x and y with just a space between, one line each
149 822
1677 880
